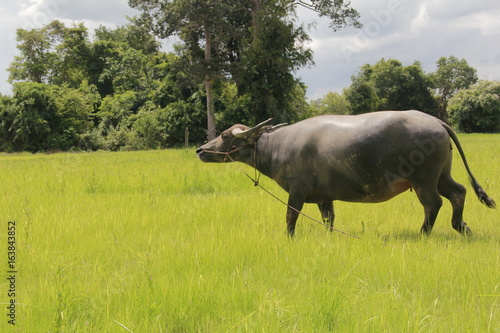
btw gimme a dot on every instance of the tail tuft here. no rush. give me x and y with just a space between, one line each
481 194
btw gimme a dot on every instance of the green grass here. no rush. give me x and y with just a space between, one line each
160 242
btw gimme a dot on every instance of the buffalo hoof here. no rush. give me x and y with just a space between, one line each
464 229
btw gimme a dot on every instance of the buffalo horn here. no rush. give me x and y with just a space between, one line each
238 133
277 126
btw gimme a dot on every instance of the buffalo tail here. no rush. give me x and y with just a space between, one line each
481 194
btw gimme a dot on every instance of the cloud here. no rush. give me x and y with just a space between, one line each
407 30
93 13
30 14
41 12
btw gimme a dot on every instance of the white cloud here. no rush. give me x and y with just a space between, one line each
109 12
420 21
487 22
422 30
29 14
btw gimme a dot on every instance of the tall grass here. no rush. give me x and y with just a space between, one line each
159 242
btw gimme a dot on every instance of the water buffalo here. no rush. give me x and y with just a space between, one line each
363 158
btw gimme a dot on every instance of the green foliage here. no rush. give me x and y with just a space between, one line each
185 114
477 109
116 109
209 31
331 103
135 35
388 85
35 59
6 106
451 76
339 12
232 107
148 129
362 96
71 55
119 91
97 91
277 49
44 117
52 54
242 52
257 43
125 59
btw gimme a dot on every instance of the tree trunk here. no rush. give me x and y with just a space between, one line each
256 7
210 108
209 91
442 106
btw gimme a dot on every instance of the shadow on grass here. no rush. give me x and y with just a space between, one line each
436 236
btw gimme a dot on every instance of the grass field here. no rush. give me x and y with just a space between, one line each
159 242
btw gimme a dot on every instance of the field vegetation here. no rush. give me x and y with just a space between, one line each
156 241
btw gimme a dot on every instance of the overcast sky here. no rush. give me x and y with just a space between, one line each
406 30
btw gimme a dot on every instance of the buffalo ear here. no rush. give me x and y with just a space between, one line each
256 135
258 129
253 134
266 129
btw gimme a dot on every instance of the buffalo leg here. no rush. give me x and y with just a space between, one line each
326 209
455 193
432 202
295 204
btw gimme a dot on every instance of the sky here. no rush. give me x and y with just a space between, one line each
406 30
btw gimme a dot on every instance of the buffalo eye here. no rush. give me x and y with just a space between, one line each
224 136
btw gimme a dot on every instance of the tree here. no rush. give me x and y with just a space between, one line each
331 103
477 109
134 34
6 105
233 108
35 59
116 80
52 54
124 59
413 91
451 76
340 12
205 27
254 42
46 117
276 49
71 54
362 96
388 85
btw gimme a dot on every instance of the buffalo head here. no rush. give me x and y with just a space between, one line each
238 140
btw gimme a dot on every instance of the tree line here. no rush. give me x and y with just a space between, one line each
116 89
452 93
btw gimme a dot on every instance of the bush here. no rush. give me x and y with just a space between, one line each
148 129
42 117
477 109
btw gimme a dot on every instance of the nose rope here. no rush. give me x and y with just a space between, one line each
256 179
